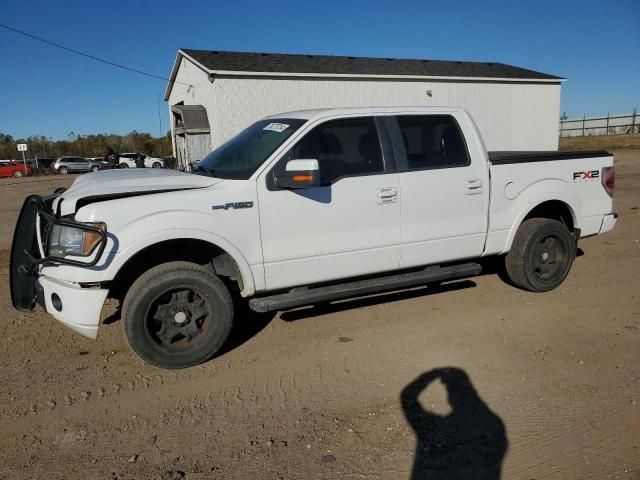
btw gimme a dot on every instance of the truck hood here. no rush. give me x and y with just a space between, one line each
122 183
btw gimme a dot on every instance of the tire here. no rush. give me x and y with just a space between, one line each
63 170
177 315
17 173
156 165
541 256
123 165
95 168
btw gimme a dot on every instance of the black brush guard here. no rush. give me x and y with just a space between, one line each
25 253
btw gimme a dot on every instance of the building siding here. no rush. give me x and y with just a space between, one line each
510 116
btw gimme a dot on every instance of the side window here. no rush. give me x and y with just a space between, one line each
432 141
347 146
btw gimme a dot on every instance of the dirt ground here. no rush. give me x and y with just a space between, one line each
478 380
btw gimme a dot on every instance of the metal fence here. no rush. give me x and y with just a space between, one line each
609 125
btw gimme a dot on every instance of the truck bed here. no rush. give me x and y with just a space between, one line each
508 158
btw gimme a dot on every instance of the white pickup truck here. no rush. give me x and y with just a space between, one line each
298 209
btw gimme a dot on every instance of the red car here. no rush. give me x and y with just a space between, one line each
11 168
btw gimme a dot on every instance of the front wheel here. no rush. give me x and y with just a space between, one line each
123 165
541 256
95 168
156 165
63 170
177 315
17 173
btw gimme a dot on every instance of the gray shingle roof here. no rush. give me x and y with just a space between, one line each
326 64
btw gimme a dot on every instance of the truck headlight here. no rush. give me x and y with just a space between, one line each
65 240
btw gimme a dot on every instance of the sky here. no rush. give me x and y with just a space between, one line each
50 92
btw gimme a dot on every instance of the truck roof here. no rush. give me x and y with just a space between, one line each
326 112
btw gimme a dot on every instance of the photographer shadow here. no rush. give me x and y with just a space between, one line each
469 442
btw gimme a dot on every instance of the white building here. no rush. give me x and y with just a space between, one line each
213 95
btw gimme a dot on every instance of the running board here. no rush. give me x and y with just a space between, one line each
308 296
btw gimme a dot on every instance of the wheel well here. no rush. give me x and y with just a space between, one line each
554 210
183 249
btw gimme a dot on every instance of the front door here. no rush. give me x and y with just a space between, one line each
444 194
82 164
349 226
75 164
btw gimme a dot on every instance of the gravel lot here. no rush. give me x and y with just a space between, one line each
479 380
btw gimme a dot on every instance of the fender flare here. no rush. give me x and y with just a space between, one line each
132 249
531 205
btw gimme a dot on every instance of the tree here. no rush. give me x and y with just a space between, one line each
93 145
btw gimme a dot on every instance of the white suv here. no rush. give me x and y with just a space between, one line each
128 160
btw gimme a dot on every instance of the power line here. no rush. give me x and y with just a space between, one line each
97 59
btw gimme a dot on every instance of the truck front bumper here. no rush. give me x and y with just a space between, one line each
609 222
75 306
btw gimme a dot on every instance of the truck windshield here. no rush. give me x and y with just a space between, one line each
243 154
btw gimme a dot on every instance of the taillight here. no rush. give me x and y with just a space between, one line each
609 179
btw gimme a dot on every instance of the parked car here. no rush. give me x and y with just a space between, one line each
298 209
64 165
12 168
105 162
42 162
133 160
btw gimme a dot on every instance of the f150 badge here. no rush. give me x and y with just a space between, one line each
232 205
586 175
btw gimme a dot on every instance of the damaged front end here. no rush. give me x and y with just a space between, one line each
42 238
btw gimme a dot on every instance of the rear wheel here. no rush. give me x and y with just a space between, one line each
124 165
177 315
95 168
17 173
156 165
63 170
541 256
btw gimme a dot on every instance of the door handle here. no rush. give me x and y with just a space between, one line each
387 195
387 192
473 187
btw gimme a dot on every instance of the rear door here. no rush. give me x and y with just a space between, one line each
349 226
444 190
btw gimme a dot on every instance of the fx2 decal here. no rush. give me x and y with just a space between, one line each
586 175
233 205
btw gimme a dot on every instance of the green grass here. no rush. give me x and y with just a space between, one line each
605 142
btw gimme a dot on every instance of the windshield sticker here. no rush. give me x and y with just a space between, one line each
276 127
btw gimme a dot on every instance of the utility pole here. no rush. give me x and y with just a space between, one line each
159 117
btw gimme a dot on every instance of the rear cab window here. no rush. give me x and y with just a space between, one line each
424 142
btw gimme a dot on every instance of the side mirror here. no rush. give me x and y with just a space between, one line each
301 173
